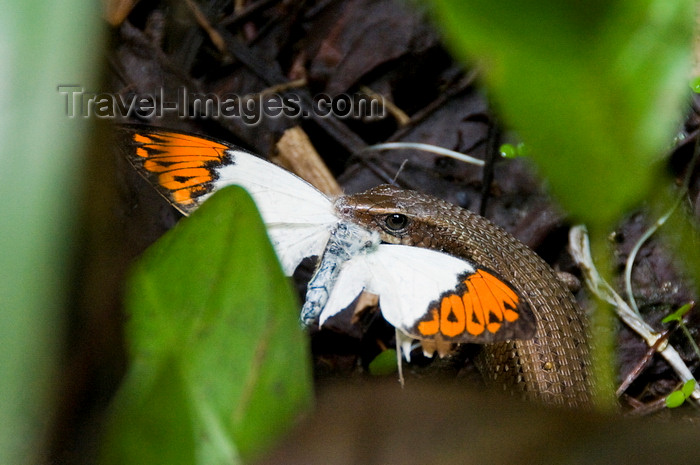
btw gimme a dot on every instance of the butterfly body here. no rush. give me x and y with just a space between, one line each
346 241
439 280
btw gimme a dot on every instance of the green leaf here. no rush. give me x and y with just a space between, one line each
215 344
688 387
384 364
41 179
152 421
675 399
594 88
678 314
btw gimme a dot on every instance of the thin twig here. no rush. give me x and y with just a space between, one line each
401 117
642 364
649 408
204 23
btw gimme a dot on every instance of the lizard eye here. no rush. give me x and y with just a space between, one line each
396 221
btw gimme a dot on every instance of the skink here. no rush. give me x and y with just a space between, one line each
554 366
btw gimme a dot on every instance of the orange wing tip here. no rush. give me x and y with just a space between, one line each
183 167
482 308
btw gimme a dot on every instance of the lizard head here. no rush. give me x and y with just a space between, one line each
399 216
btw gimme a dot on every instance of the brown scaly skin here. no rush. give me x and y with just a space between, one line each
554 366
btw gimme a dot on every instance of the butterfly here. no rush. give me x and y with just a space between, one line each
427 295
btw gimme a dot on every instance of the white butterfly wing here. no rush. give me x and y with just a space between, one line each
297 215
187 169
351 281
407 279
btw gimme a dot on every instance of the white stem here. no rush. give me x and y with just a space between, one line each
427 148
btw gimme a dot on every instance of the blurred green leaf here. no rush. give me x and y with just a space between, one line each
594 88
42 45
154 420
215 344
